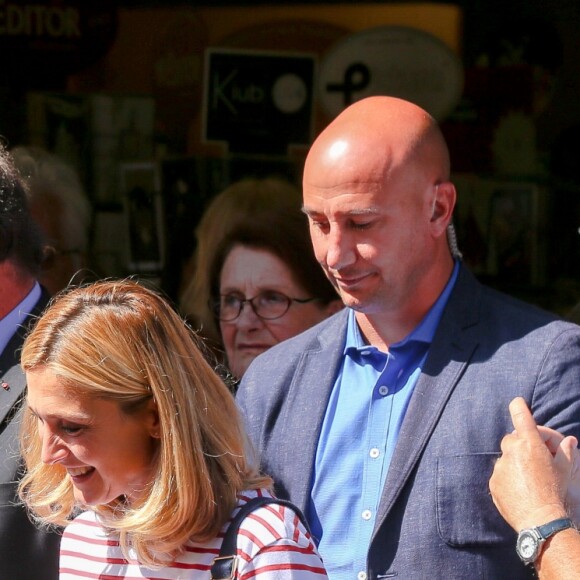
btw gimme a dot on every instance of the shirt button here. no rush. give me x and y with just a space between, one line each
374 452
361 576
383 390
366 515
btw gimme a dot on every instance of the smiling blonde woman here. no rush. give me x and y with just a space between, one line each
134 443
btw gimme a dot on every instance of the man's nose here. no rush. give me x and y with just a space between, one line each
339 251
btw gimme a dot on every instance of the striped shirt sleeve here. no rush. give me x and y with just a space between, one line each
273 544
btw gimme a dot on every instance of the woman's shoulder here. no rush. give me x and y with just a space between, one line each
272 537
85 524
274 517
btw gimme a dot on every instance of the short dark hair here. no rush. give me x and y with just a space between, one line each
284 234
20 237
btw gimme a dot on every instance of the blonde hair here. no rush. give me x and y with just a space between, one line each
240 201
119 341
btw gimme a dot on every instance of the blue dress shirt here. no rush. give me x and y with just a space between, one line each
358 437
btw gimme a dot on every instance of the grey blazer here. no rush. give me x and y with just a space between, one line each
26 553
436 518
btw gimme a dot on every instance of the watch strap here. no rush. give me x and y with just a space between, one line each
537 536
551 528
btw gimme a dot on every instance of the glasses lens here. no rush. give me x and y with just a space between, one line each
270 305
229 307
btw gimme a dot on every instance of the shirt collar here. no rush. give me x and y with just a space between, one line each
12 321
423 332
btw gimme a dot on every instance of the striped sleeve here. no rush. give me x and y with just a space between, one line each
273 544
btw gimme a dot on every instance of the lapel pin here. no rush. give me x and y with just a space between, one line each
5 386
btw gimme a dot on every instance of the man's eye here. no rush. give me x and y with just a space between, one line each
319 225
361 225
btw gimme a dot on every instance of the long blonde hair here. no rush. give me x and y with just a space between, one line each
120 341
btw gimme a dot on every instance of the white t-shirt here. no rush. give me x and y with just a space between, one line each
272 543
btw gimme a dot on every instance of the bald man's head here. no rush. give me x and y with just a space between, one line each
379 202
387 133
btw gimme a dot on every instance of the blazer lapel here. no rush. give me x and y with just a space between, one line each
12 380
450 352
307 399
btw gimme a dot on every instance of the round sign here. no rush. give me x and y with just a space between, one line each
397 61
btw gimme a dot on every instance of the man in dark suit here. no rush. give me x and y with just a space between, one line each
383 422
26 553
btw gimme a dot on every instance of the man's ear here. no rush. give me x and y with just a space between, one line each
443 206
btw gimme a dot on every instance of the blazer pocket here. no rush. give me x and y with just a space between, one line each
466 514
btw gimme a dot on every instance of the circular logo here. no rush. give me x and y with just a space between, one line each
289 93
397 61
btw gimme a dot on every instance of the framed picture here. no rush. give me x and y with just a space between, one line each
140 184
501 229
515 234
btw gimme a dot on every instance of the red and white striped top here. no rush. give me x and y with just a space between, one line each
272 543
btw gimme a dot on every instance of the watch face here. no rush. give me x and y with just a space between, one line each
527 546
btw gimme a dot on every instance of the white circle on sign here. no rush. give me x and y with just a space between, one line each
397 61
289 93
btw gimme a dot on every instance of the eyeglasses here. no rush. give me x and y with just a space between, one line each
268 305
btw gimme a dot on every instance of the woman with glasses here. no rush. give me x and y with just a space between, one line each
266 286
239 201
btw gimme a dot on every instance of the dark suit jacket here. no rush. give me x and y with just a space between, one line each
26 553
436 518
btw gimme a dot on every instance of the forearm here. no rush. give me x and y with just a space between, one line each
560 557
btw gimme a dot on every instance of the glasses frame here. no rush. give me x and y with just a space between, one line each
215 305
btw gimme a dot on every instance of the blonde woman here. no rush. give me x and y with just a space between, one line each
129 433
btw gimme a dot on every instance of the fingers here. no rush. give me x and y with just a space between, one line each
522 419
551 438
507 441
565 456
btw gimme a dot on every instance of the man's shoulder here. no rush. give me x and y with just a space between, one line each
518 312
490 304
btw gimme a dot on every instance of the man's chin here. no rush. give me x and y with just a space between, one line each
353 302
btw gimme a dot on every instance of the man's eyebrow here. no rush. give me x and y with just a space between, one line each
367 211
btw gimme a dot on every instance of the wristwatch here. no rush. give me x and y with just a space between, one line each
531 540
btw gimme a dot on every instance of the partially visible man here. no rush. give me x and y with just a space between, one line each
384 421
26 553
536 482
59 204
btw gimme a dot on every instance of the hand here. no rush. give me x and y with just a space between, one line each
530 481
567 464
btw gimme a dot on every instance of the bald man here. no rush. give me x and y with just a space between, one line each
383 422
